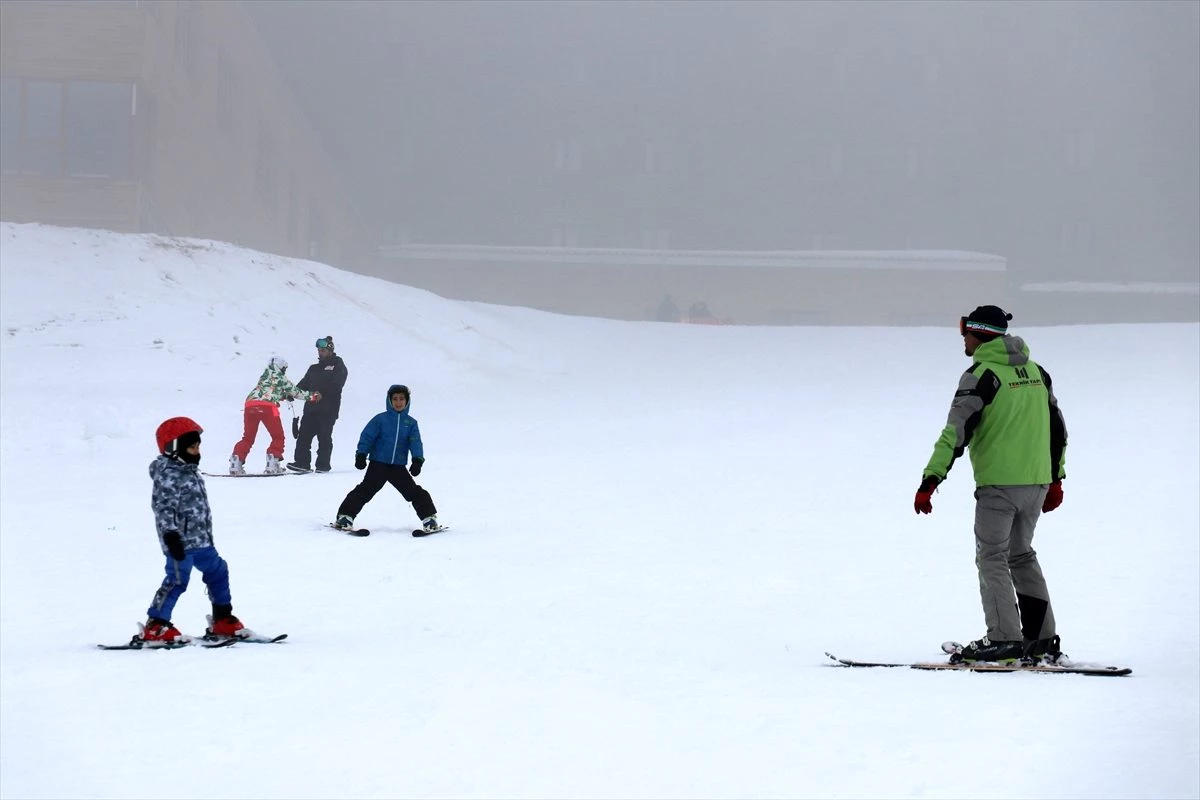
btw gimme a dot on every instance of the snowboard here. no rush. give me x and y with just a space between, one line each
247 475
1072 668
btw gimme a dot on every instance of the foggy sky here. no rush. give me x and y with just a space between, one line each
1061 135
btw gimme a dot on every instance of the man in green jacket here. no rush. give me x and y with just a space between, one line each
1005 412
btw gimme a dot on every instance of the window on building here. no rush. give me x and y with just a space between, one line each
10 125
77 128
42 144
185 35
99 129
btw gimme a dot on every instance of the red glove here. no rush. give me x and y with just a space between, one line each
923 503
1053 497
315 398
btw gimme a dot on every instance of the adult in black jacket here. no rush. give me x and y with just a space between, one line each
327 377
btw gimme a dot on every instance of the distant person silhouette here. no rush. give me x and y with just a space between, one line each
699 312
667 310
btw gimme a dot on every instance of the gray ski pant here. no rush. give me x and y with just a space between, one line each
1005 517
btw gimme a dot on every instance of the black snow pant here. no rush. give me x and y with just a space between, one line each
379 473
320 426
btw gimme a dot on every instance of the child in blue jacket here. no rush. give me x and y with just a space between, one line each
387 440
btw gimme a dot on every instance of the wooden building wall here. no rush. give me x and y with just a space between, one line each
218 148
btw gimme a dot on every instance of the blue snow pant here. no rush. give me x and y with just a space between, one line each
212 567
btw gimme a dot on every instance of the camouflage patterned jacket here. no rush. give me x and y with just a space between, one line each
180 503
274 387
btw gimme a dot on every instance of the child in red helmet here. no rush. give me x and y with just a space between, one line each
184 522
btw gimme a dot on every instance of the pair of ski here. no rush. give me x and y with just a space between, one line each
955 649
208 642
418 532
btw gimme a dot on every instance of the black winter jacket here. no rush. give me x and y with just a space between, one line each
327 376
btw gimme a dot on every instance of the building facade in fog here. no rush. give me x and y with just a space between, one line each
166 117
1059 135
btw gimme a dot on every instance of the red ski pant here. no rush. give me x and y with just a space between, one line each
268 414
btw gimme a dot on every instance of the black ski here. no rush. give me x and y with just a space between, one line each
419 532
350 531
254 638
138 644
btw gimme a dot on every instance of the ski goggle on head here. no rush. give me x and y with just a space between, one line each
966 326
325 343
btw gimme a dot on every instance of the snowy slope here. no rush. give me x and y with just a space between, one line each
658 529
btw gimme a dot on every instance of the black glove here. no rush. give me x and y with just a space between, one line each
174 543
360 460
295 427
415 469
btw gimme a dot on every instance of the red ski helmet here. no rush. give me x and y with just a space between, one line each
169 433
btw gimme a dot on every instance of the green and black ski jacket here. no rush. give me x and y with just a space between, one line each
1006 413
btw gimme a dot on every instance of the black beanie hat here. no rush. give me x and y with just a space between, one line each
986 322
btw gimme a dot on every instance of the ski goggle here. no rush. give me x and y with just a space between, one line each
324 344
966 326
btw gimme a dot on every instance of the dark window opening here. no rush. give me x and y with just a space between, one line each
78 129
99 126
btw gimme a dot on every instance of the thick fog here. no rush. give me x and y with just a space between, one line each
1061 135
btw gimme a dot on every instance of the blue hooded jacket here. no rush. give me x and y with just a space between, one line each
390 436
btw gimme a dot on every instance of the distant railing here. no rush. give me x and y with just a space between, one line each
951 260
